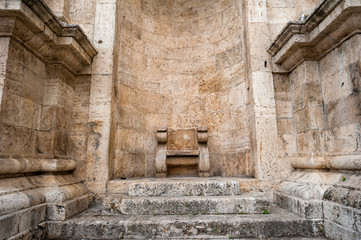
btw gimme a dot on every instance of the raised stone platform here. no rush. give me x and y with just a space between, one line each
93 224
186 208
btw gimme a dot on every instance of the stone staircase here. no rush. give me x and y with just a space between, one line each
191 208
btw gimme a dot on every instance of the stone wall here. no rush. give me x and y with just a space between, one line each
325 104
22 102
317 81
287 145
43 118
181 65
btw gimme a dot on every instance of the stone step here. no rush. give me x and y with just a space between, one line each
195 187
253 203
188 186
92 224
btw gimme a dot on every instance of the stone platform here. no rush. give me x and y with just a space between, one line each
93 224
186 208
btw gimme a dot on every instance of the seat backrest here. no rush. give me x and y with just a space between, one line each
182 140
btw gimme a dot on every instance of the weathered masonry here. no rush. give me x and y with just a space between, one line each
149 119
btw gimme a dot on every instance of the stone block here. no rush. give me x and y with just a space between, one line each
33 86
343 112
207 187
129 165
335 231
287 146
309 118
192 205
67 209
17 140
237 164
20 221
345 216
342 139
20 111
310 142
310 209
337 86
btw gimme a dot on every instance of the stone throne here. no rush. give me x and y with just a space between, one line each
182 152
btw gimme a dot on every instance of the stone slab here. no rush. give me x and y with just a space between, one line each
35 233
310 209
185 188
92 225
250 204
342 215
335 231
20 221
63 211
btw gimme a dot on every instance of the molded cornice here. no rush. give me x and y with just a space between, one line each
33 24
332 22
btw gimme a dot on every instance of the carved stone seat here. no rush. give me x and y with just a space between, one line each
182 152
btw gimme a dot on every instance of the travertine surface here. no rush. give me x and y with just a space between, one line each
80 107
181 65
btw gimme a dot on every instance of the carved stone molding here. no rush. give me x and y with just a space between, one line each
33 24
332 22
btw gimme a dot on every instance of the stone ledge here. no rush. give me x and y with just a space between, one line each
37 232
345 216
345 162
19 184
344 196
310 209
253 203
32 23
335 231
302 27
15 166
25 199
20 221
68 209
333 22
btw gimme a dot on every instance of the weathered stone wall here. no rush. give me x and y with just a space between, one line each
37 108
340 74
181 65
21 102
326 103
80 127
287 146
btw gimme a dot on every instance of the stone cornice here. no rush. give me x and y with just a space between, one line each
332 22
33 24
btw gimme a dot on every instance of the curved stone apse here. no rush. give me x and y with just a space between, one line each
181 64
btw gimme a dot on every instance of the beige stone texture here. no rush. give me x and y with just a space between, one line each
181 66
90 91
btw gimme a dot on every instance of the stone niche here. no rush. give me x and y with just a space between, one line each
181 65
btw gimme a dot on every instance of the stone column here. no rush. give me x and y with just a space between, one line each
261 103
98 172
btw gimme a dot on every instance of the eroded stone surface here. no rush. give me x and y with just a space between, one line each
189 226
180 64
